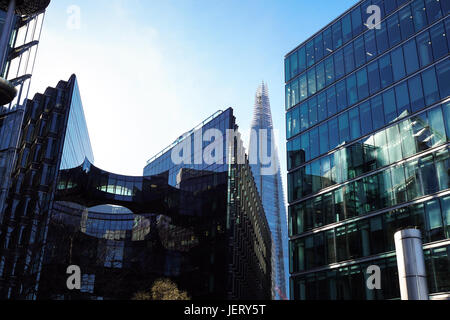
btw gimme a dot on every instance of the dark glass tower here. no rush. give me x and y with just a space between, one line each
368 128
270 188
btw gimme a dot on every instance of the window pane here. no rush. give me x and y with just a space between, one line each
433 10
333 131
337 35
430 86
386 71
360 52
339 64
443 73
320 73
329 70
305 146
398 64
331 101
439 41
355 131
357 21
287 69
313 116
402 97
322 106
437 127
442 168
302 59
419 15
314 142
366 118
346 28
295 122
295 94
303 85
410 54
394 30
352 94
344 129
311 82
323 133
371 47
406 24
304 116
341 95
294 65
390 107
416 93
349 58
363 86
374 77
310 53
446 111
327 41
382 38
377 112
318 44
424 48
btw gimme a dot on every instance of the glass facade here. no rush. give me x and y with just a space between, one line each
368 148
271 190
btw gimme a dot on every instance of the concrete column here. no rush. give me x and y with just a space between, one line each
411 265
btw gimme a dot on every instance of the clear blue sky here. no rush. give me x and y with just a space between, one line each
151 70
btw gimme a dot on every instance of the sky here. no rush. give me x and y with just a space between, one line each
150 70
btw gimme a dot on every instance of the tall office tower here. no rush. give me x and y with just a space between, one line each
368 128
20 29
53 137
268 180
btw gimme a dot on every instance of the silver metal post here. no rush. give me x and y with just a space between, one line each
7 28
411 265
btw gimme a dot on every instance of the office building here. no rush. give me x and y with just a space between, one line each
368 128
270 187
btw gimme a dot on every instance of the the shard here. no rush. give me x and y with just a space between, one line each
267 176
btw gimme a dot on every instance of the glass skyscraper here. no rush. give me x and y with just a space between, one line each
270 188
368 130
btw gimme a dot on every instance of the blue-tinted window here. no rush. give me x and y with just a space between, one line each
360 53
349 58
382 38
304 141
390 6
341 95
402 97
302 59
374 77
322 106
346 28
398 64
313 117
366 118
320 73
310 53
377 112
294 65
314 142
352 94
447 27
357 21
323 134
318 44
295 122
334 133
303 86
295 95
393 30
288 96
355 129
446 110
439 41
390 106
311 81
344 128
331 101
410 54
430 86
289 124
419 14
386 75
327 41
416 93
329 70
433 10
339 64
287 70
363 86
304 116
337 34
424 48
371 46
445 9
406 23
443 73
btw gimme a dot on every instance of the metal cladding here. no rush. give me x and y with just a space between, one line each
26 7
